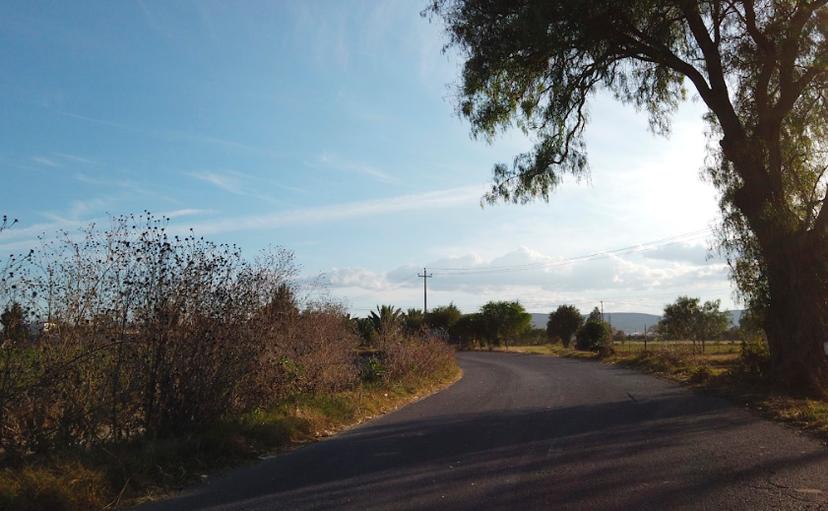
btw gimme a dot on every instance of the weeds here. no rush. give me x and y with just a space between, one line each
134 358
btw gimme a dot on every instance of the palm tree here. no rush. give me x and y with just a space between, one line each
385 317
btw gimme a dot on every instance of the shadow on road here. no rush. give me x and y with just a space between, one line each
676 450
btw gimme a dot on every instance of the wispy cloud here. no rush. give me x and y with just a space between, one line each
468 195
227 182
176 135
43 160
343 164
126 184
185 212
239 183
75 158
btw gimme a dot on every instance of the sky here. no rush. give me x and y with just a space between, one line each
330 128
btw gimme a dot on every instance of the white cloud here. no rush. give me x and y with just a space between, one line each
629 282
683 252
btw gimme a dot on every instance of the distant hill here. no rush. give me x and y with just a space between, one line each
629 322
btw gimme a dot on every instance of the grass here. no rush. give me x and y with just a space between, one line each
128 474
717 371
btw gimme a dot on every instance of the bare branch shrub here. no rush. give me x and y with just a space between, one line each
139 332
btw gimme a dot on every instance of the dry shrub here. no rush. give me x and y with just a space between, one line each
414 358
139 332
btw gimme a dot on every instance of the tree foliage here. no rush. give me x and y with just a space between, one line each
689 319
414 320
594 335
444 317
563 323
386 318
505 320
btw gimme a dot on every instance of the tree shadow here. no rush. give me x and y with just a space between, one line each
675 450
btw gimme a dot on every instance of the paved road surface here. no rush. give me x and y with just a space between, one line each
527 432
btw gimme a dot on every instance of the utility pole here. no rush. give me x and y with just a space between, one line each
602 310
425 276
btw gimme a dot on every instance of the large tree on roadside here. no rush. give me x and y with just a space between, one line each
760 68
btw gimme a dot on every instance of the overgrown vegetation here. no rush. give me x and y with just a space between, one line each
133 358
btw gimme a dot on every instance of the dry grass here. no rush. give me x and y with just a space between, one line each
130 474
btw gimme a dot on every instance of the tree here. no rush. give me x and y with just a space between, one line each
470 328
760 69
365 329
712 322
13 320
414 320
505 320
563 323
593 335
679 319
385 319
687 318
443 318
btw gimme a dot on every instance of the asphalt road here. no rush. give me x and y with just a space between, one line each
528 432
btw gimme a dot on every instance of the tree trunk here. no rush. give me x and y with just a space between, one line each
797 319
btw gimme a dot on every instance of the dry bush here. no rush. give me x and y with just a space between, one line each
138 332
406 358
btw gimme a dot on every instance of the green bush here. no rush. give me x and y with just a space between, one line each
594 336
373 369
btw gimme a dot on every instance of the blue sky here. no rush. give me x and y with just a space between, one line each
329 128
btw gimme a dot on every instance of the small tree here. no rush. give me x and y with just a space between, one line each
443 318
386 318
563 323
711 323
594 335
505 320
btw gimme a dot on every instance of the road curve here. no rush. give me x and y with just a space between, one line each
529 432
